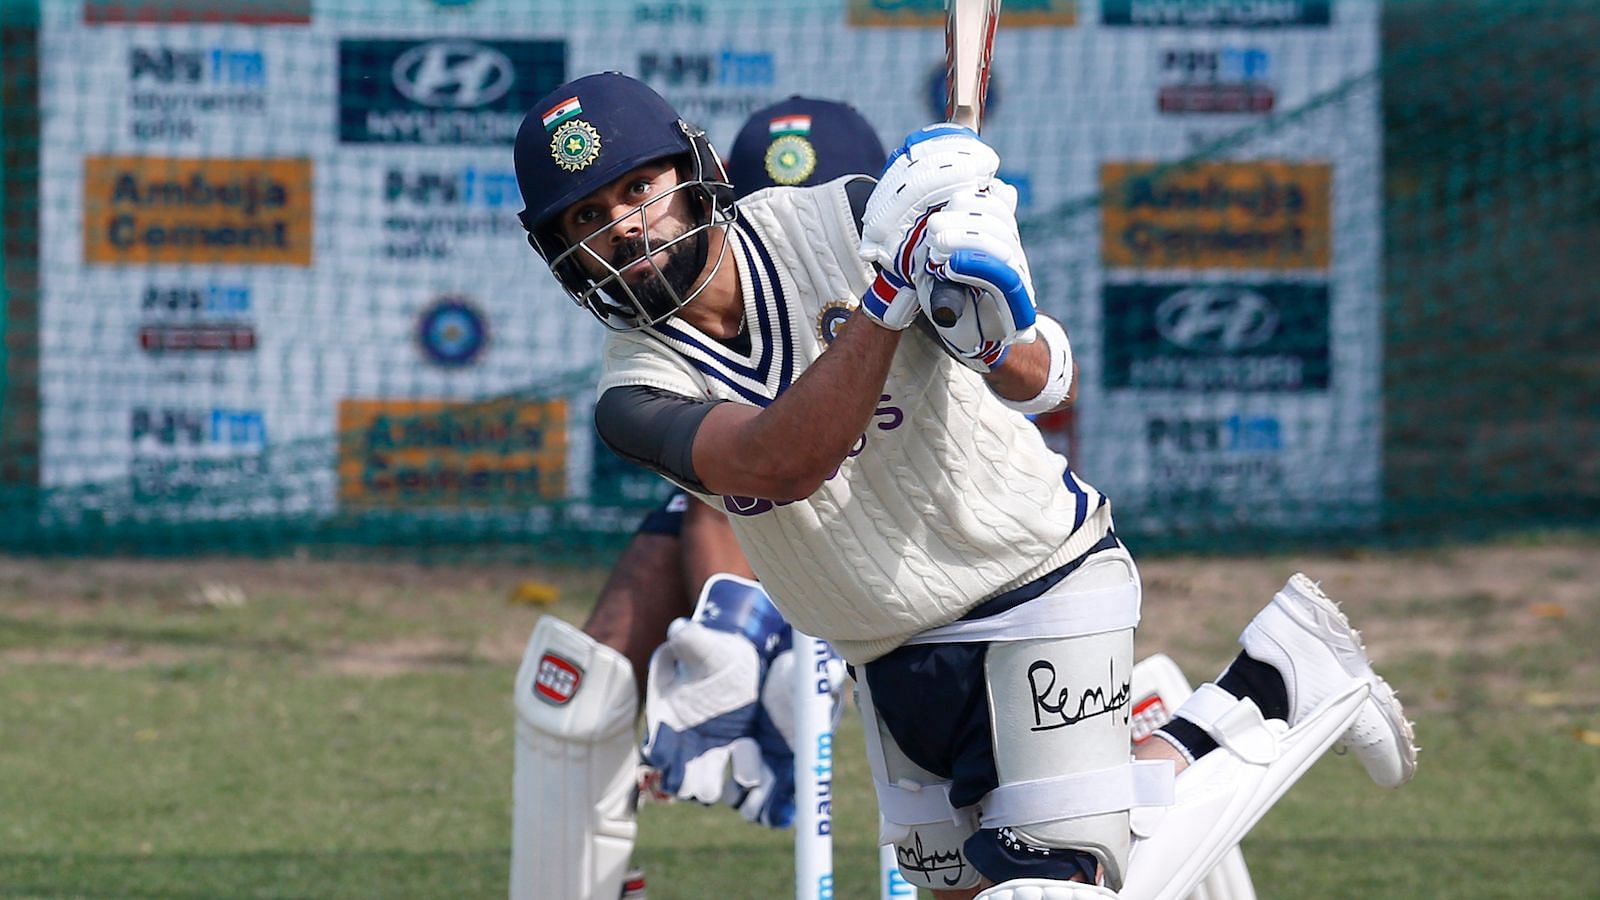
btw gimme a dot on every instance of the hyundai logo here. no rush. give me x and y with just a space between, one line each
1217 319
453 73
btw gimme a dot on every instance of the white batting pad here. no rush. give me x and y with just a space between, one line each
1221 796
914 811
573 826
1044 889
1159 688
1060 709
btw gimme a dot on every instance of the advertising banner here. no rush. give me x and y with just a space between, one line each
1216 13
1253 215
281 260
397 454
142 209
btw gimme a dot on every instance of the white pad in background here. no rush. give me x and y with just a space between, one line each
1159 688
573 825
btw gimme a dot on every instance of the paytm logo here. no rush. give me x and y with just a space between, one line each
212 299
182 427
1226 64
1230 434
218 66
727 67
1216 80
469 186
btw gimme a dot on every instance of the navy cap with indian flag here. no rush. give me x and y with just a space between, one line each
587 133
803 141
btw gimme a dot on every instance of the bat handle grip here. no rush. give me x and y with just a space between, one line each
946 302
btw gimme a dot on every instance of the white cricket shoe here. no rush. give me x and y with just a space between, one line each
1305 636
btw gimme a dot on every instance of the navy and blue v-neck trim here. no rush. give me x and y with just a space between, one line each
771 341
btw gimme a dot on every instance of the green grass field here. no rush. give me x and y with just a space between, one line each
346 731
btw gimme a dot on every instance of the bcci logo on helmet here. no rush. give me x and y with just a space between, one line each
791 157
556 680
574 143
790 160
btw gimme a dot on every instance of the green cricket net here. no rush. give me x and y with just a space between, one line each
1325 262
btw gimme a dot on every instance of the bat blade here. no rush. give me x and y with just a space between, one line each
969 27
969 46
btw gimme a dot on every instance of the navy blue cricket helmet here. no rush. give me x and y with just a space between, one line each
803 141
584 135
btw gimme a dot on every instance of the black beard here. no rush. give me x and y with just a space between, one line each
658 293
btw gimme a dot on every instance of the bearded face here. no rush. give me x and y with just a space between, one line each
656 282
638 245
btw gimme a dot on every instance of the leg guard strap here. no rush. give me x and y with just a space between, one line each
1234 724
1115 789
1063 614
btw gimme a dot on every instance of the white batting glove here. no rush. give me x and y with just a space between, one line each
973 241
931 166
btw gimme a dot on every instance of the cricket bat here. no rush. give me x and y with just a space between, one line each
969 27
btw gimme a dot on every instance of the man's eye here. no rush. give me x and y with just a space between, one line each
584 216
642 186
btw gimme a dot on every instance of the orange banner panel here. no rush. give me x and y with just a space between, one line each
144 209
436 453
1217 215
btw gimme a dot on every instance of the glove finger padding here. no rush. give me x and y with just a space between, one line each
891 302
994 198
931 166
772 803
762 792
702 777
973 241
777 695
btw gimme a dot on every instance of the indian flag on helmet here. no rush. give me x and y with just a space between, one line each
561 112
789 125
